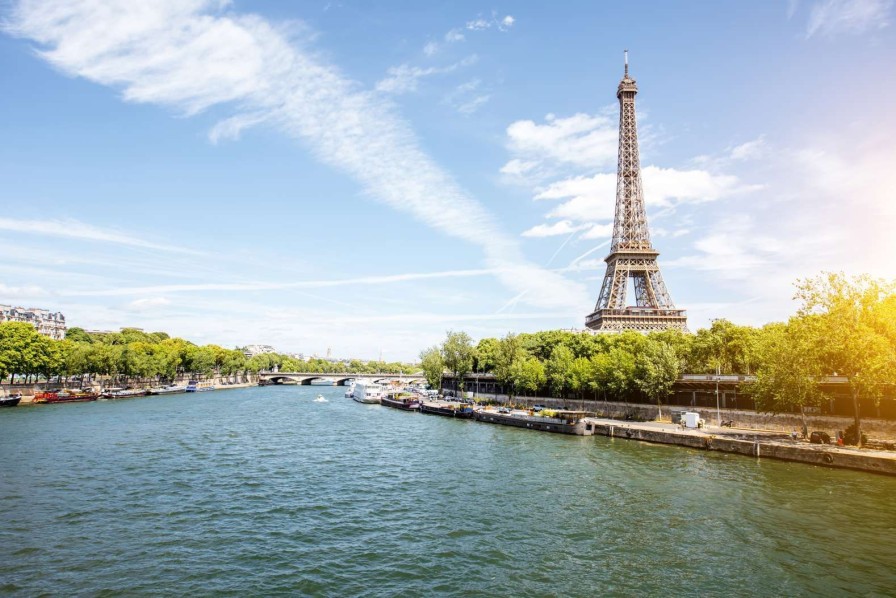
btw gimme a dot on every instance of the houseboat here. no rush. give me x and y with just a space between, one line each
399 401
447 408
548 420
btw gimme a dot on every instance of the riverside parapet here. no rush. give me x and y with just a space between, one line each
750 443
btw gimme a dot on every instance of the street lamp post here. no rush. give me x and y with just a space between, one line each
718 411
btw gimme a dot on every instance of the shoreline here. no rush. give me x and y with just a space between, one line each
745 441
749 443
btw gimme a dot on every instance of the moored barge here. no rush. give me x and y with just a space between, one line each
405 402
559 421
65 396
446 408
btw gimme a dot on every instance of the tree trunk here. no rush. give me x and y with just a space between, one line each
858 419
803 417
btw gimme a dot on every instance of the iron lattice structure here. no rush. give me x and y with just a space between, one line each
631 254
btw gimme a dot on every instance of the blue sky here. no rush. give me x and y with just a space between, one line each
362 177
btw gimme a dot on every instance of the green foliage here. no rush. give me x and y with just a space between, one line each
486 355
559 369
457 354
133 353
78 335
793 366
656 370
724 347
855 331
433 366
510 351
527 375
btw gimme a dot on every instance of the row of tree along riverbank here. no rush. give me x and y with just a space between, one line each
845 329
134 357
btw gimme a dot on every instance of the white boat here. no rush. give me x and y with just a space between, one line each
197 387
167 390
320 399
351 389
368 392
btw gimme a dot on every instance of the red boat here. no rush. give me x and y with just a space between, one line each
65 396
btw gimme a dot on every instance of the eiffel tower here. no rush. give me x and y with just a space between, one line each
631 253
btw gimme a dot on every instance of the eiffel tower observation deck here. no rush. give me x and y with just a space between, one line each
631 254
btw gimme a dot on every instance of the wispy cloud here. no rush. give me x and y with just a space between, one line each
194 55
834 17
457 35
16 292
482 23
404 78
149 303
467 97
273 286
74 229
563 227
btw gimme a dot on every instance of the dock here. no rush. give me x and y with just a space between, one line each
751 443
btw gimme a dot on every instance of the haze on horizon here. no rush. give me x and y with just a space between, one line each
363 178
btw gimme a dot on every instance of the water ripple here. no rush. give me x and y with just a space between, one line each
263 491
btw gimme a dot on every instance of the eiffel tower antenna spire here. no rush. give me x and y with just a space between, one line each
631 253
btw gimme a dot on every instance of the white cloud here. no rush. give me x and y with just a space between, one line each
834 17
74 229
563 227
582 140
25 291
148 303
301 284
455 35
473 105
594 198
517 167
465 98
751 150
481 23
478 24
404 78
599 231
194 55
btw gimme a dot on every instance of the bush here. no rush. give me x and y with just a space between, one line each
849 436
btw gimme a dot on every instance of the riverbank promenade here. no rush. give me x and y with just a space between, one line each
749 442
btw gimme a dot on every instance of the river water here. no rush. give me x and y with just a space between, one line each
264 491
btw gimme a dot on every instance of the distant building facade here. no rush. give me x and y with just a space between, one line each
48 323
253 350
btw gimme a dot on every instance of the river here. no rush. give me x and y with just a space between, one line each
264 491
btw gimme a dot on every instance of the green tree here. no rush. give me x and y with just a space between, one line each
656 370
581 376
486 357
22 349
77 335
792 367
510 352
433 366
724 347
559 369
853 332
614 373
457 355
528 374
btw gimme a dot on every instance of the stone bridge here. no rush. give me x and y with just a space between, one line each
306 378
